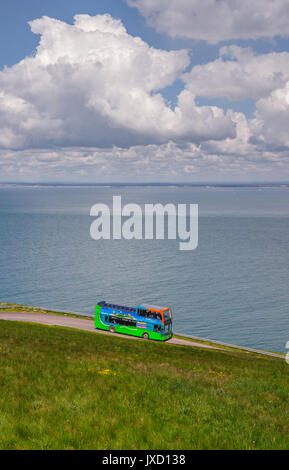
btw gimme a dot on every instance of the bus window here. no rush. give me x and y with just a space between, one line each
121 321
168 329
150 314
112 319
167 314
157 328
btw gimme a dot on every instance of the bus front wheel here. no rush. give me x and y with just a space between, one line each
145 336
112 329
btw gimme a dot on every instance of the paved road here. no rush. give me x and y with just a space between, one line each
88 325
81 324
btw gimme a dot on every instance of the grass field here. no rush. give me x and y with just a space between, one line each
68 389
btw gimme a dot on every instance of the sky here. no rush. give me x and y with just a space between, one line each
144 90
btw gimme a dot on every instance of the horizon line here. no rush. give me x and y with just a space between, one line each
167 183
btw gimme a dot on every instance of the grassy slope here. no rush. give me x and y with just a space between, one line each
67 389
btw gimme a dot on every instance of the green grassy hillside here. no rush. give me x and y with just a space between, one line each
67 389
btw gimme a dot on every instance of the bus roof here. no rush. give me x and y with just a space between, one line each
153 307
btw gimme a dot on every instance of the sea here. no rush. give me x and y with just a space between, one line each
234 287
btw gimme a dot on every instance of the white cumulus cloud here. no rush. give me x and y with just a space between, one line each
269 128
88 105
239 74
93 84
216 20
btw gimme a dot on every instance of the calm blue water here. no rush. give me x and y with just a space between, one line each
233 288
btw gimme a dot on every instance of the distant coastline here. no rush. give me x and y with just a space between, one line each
264 185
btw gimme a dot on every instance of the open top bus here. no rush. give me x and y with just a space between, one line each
146 321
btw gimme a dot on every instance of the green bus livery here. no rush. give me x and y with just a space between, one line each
145 321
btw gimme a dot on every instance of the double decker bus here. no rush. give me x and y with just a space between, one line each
145 321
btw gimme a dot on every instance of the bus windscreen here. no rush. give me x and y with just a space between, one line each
167 314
